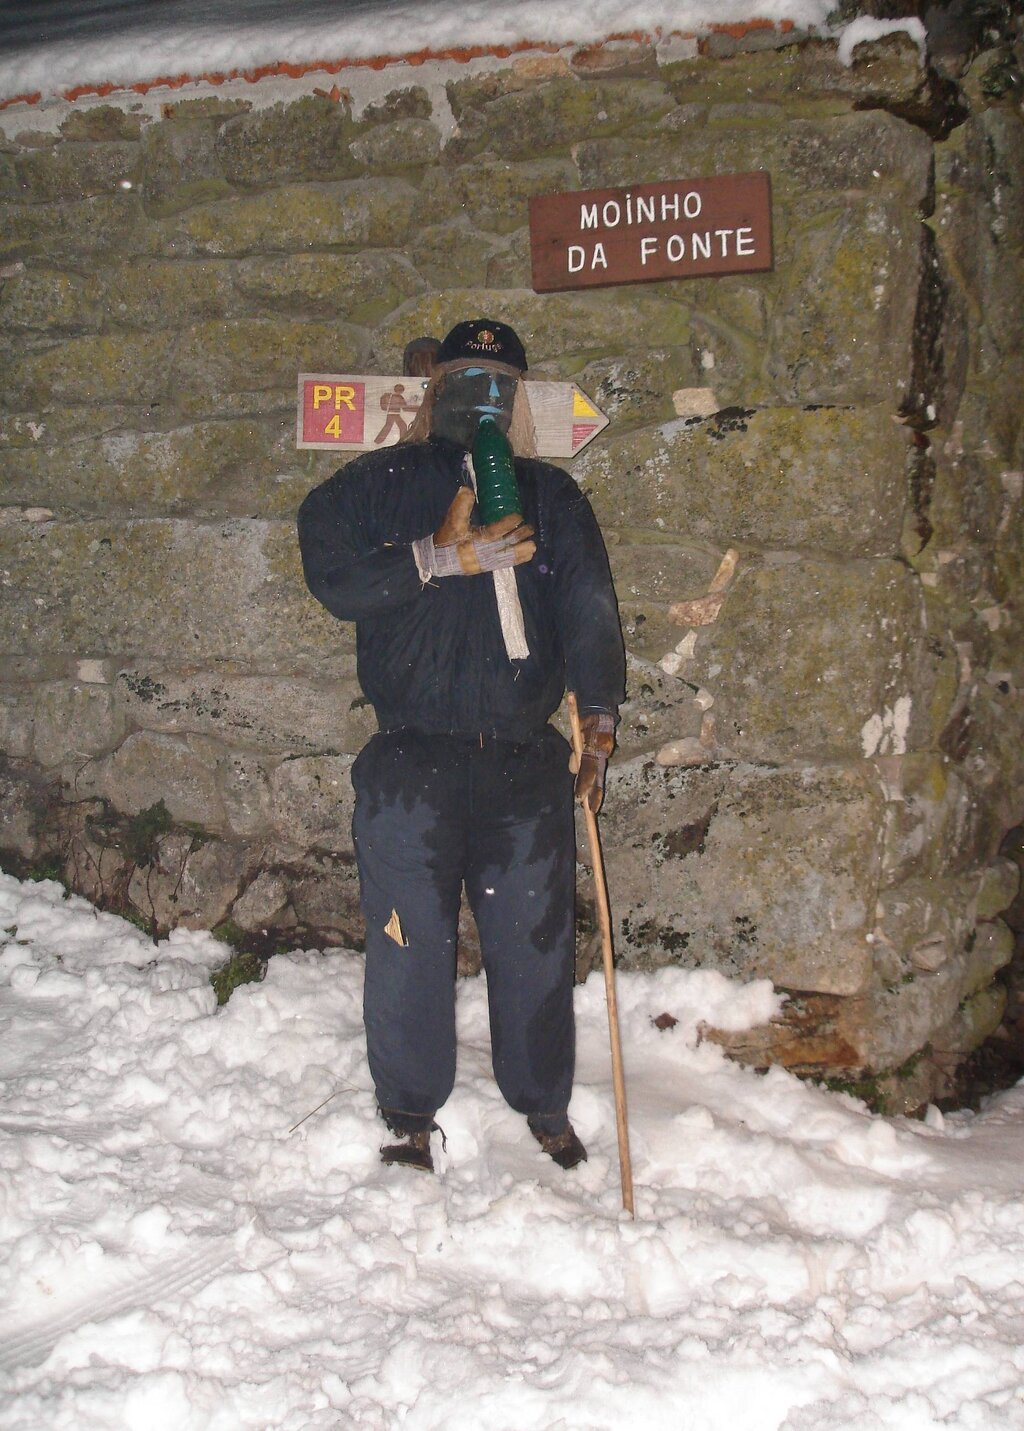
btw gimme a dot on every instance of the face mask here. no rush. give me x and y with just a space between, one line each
467 395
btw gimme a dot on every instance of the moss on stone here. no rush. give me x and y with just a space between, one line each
412 102
167 293
361 287
404 146
101 122
76 171
793 477
373 213
258 354
243 967
98 368
47 299
98 227
493 194
307 139
551 116
221 466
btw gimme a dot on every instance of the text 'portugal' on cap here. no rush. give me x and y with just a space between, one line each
486 339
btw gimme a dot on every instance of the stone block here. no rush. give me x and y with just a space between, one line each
103 226
549 116
191 883
409 102
261 902
887 70
62 427
858 156
928 820
282 714
455 255
491 193
97 369
881 1031
842 328
162 293
827 478
975 1020
990 950
252 355
243 780
75 171
181 166
359 287
74 721
313 802
244 599
326 903
816 660
885 1030
219 467
26 800
923 924
16 724
637 385
661 572
147 768
979 201
370 213
658 708
405 144
100 122
510 265
1000 885
309 138
46 300
760 874
95 869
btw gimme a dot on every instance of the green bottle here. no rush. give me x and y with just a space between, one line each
497 491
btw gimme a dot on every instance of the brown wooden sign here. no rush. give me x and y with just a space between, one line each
687 228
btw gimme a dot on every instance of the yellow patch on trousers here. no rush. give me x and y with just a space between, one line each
393 928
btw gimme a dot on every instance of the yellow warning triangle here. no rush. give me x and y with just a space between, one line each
581 407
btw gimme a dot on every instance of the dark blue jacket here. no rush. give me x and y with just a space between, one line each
432 657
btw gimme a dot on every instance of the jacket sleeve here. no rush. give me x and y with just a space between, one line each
345 573
586 611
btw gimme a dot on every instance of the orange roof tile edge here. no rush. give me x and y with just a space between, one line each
460 53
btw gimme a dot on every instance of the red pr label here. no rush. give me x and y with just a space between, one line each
333 412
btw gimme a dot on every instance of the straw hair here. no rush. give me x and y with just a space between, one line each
522 435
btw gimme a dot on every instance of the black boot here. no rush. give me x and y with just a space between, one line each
412 1152
564 1148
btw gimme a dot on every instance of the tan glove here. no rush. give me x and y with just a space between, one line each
457 549
598 731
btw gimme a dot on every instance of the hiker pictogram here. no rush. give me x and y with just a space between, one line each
394 403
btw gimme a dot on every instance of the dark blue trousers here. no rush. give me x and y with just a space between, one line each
434 813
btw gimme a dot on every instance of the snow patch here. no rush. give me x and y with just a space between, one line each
864 29
197 1232
321 35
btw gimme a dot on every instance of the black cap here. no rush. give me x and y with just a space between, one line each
486 339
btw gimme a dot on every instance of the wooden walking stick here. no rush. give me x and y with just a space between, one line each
605 922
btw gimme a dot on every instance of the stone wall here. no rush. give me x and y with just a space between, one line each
811 490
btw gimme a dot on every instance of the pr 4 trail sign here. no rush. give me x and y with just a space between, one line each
360 411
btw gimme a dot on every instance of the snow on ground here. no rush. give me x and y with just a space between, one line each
198 41
187 1250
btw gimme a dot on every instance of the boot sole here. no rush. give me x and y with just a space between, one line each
406 1157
